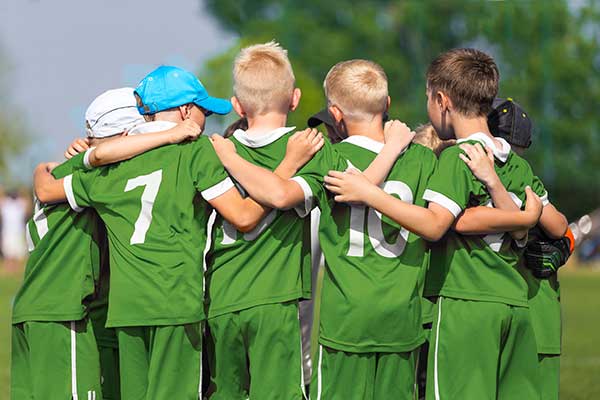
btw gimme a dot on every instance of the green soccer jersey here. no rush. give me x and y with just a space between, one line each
156 224
270 264
65 253
374 268
477 267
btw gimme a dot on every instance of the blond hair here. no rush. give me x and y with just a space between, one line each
263 79
359 88
426 136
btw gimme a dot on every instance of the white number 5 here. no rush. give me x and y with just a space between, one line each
152 184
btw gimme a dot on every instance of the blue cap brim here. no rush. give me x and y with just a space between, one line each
216 105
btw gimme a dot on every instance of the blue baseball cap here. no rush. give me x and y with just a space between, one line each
168 87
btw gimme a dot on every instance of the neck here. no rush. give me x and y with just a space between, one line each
260 124
465 127
372 128
169 115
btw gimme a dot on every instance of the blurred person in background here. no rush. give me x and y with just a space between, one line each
13 211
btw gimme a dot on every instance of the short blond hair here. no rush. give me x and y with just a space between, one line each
263 79
357 87
426 136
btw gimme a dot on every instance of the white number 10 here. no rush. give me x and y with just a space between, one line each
375 228
152 184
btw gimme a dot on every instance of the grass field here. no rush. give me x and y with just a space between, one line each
580 365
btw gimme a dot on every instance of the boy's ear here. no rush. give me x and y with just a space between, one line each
184 110
443 101
237 106
295 99
336 113
389 102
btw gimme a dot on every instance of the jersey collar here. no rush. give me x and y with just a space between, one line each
501 153
149 127
364 142
263 139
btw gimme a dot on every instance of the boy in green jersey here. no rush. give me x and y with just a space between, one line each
263 274
155 207
54 352
483 345
509 121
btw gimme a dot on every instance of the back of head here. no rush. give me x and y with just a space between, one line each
263 79
469 77
112 113
425 135
359 88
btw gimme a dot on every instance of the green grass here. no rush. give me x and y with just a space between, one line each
580 364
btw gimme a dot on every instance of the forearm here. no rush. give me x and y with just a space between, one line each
47 189
418 220
261 184
486 220
553 222
503 201
380 167
126 147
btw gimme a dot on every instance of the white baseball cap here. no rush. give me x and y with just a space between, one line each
111 113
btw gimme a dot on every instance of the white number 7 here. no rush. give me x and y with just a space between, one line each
152 184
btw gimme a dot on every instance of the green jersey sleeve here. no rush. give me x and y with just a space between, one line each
79 186
452 185
310 177
209 175
76 163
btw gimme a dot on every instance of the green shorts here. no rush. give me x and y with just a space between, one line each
109 367
161 362
55 360
261 342
481 350
339 375
549 382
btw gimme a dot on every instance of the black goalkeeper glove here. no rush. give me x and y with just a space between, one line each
544 256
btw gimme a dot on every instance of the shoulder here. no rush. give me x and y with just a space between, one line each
421 151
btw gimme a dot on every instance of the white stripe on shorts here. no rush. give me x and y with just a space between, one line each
301 356
319 373
74 362
437 342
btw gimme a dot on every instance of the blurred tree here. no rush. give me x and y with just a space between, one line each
547 51
12 134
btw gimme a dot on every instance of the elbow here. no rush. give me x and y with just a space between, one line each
42 194
246 222
435 233
279 199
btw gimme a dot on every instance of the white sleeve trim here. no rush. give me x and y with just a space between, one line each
544 199
304 208
86 158
443 201
218 189
68 186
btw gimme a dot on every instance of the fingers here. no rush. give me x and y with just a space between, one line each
466 159
332 181
336 174
318 145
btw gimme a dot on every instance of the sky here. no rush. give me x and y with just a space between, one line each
63 53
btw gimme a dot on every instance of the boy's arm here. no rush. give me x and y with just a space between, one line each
47 188
274 191
430 223
397 138
126 147
474 220
266 187
553 222
245 213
